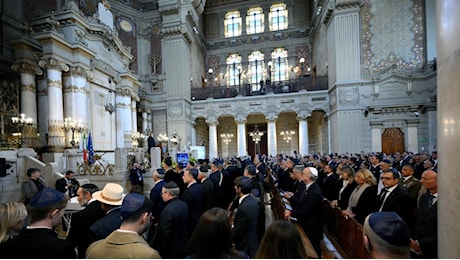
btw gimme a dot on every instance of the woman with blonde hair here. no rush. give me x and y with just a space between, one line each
362 200
12 218
346 186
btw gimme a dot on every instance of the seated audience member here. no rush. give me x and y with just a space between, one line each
363 199
386 235
68 184
82 220
282 240
212 237
110 198
38 239
12 218
127 242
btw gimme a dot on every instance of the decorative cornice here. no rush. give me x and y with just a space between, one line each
26 68
28 87
54 64
75 89
54 83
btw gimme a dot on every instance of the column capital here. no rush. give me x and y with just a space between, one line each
80 71
212 121
271 117
241 119
23 67
303 115
54 64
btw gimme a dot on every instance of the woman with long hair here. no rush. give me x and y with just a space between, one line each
12 218
212 237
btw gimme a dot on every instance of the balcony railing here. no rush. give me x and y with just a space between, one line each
291 86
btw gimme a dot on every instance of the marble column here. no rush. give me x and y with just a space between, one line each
303 135
448 44
376 135
54 70
123 116
241 136
271 135
412 140
76 94
212 123
193 134
134 116
28 98
145 124
42 93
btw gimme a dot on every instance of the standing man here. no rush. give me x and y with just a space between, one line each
82 220
136 178
409 182
127 242
171 236
157 201
172 175
110 198
425 242
208 188
68 184
193 196
39 240
309 209
245 223
150 143
34 184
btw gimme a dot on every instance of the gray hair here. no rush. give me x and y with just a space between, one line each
298 168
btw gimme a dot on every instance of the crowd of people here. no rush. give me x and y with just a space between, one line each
216 208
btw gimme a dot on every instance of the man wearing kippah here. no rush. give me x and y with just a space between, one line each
127 242
39 240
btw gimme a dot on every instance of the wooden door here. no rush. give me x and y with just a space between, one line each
392 141
262 146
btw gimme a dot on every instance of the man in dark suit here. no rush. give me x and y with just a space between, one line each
82 220
217 178
68 184
111 198
208 188
425 241
150 143
193 196
172 235
309 209
172 175
393 197
157 200
329 182
136 178
245 223
39 240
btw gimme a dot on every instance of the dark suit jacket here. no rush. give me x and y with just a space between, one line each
297 194
208 191
135 176
426 228
158 203
366 204
171 237
245 226
81 221
193 196
172 175
309 212
106 225
328 187
37 243
342 202
61 186
398 201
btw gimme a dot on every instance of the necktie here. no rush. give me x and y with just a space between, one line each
382 196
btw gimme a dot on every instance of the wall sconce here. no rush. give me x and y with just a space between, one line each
73 125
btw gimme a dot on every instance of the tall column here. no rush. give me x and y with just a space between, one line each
271 135
76 94
448 43
303 136
212 123
412 140
123 117
241 136
134 116
28 97
42 93
54 70
145 124
193 134
376 135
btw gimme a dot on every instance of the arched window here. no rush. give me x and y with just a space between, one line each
280 69
255 21
278 17
232 24
255 69
234 70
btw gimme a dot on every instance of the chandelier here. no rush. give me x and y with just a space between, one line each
256 134
163 138
227 138
287 134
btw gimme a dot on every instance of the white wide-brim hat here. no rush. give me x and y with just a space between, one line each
111 194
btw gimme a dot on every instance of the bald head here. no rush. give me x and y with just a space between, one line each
429 180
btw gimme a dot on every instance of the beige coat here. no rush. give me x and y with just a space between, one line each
121 245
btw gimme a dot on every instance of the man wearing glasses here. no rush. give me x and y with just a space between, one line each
393 197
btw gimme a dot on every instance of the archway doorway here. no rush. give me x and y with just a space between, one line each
392 141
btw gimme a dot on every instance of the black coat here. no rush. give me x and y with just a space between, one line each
208 194
172 232
398 201
106 225
426 228
81 221
61 185
245 226
157 200
344 197
37 243
366 204
328 187
135 176
193 196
